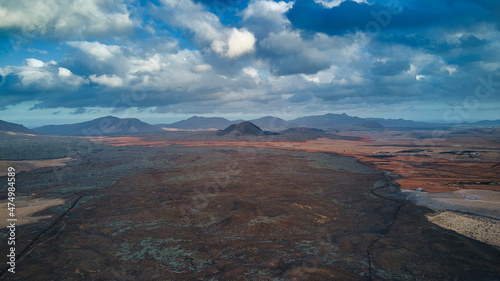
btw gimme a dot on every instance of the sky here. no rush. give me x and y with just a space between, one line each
166 60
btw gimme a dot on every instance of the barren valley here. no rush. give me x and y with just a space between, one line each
158 207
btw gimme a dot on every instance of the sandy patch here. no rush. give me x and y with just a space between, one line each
19 134
480 202
481 229
28 165
482 221
187 130
25 207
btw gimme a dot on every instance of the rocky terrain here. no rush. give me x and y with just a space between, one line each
430 170
219 212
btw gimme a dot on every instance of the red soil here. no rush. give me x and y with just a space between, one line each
430 169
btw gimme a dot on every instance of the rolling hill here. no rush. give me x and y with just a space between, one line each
15 128
246 128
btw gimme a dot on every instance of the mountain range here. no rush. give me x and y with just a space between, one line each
328 121
110 125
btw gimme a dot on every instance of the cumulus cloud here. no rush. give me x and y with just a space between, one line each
263 17
206 28
64 72
107 72
65 19
36 79
239 42
266 9
31 62
107 80
96 50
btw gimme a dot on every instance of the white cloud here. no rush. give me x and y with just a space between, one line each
150 64
31 50
311 78
202 68
37 75
266 9
99 51
193 17
107 80
449 68
34 63
333 3
161 71
240 42
218 46
262 17
252 72
206 28
64 72
65 19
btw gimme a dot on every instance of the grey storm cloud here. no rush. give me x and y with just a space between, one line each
80 110
351 16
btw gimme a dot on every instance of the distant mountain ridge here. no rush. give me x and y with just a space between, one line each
204 123
275 124
327 121
15 128
197 123
486 123
108 125
271 123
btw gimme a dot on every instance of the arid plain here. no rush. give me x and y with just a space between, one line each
193 206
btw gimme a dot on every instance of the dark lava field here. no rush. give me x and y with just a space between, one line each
225 213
